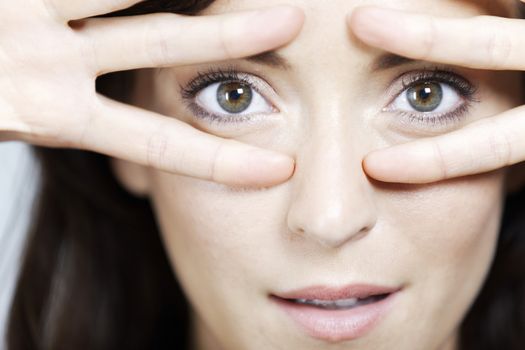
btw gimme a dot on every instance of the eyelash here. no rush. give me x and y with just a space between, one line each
437 75
207 78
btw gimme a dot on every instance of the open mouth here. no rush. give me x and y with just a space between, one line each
337 314
339 304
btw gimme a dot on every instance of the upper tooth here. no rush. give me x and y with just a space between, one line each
339 303
346 302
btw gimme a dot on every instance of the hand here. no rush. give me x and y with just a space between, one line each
48 70
481 42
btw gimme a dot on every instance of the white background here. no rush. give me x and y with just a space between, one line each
19 179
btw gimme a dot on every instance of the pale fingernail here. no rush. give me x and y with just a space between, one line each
376 26
265 168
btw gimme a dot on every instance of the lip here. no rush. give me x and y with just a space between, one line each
337 325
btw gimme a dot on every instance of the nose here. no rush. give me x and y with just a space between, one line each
332 199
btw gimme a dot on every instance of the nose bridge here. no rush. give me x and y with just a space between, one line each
332 202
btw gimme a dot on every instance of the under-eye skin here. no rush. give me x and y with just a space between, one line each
227 96
432 98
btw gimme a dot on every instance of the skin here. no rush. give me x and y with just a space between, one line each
481 42
329 224
49 67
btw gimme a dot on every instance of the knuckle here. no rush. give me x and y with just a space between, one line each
89 49
158 42
440 160
225 41
155 44
214 169
156 150
498 48
85 133
52 10
500 146
429 39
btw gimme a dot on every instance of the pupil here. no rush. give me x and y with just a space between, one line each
425 97
235 94
425 93
234 97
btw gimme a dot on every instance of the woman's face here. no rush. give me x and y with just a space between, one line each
241 255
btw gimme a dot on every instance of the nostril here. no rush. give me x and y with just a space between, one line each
359 235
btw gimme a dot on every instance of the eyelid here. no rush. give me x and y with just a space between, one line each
429 123
205 79
437 74
211 76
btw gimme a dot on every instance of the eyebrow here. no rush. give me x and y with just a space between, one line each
275 60
389 61
271 59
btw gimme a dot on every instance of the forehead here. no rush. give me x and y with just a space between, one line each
504 8
324 41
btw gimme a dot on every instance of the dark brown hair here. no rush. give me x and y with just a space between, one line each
95 274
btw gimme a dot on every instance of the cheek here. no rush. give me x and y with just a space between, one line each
451 221
445 235
215 232
438 239
220 244
447 225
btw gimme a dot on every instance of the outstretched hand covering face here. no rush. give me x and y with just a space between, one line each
48 70
483 42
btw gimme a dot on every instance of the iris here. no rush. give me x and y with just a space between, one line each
425 97
234 97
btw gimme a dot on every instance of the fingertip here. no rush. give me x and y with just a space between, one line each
278 25
296 18
373 25
237 164
390 165
288 13
265 169
295 15
375 167
358 15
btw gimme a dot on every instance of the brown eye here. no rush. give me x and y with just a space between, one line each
234 97
425 97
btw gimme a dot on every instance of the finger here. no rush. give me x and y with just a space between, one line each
165 143
481 42
168 39
483 146
66 10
